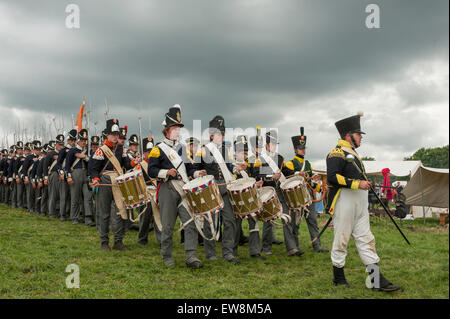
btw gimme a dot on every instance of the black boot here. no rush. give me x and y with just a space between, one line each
339 277
384 284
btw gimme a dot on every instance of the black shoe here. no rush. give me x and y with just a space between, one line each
118 245
75 222
276 242
90 222
339 277
232 259
385 285
105 247
134 227
194 263
258 256
320 250
142 243
243 240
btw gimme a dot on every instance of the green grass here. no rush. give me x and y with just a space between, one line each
35 251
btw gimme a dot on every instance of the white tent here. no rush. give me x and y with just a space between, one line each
428 187
397 168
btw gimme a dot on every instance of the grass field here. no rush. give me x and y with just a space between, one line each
35 251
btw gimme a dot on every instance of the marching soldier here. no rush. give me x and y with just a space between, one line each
242 170
123 136
133 154
51 175
77 179
95 140
148 218
64 192
11 189
3 175
26 173
300 166
347 201
34 180
106 164
267 166
17 167
216 160
172 173
43 182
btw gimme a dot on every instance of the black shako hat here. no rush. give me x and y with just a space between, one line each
95 140
299 141
112 126
134 140
272 137
217 124
350 125
72 135
241 143
173 117
147 144
83 135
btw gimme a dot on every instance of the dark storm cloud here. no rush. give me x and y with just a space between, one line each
254 62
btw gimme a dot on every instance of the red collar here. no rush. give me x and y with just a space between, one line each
108 143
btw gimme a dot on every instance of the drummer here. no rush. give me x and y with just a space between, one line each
217 161
133 154
109 162
300 166
147 221
163 165
262 172
241 170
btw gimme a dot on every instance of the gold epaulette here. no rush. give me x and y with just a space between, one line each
336 152
155 152
290 165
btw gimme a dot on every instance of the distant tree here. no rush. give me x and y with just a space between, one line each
368 158
436 157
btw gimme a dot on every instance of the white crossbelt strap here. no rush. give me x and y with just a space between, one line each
219 160
76 161
175 159
272 165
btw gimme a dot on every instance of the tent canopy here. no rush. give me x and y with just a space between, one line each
433 182
397 168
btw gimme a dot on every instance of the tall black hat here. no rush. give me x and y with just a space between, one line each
51 145
59 139
272 137
123 132
241 143
95 140
173 117
350 125
72 135
19 145
112 126
83 135
299 141
104 135
12 149
134 140
147 144
28 146
37 144
217 124
5 152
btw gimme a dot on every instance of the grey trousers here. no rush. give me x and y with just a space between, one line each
7 195
30 196
169 199
107 211
44 200
144 225
231 229
291 230
254 242
80 197
64 199
13 193
53 194
19 196
37 199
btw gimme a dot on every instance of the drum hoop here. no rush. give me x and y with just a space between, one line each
199 188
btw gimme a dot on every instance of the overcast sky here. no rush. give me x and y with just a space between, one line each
277 64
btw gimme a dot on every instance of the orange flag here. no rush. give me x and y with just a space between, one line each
79 122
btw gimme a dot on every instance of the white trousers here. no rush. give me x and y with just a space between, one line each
351 218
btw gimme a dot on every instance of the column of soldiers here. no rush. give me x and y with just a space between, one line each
71 182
